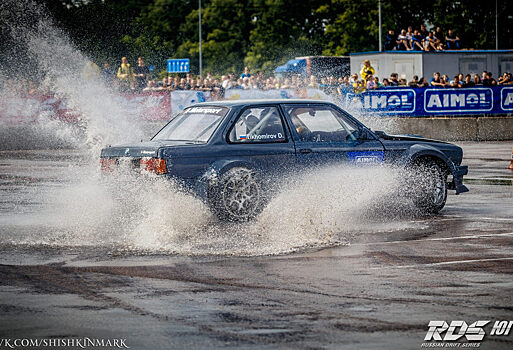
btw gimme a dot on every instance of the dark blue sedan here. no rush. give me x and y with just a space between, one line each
228 152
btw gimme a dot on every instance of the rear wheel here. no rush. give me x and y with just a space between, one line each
430 184
238 195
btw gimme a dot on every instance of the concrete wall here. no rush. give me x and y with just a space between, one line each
458 128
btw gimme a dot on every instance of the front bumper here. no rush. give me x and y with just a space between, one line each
457 179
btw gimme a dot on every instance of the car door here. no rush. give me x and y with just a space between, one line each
324 135
259 136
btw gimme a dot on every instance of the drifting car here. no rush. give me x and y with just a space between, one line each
228 152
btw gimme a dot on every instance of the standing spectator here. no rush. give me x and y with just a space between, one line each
510 80
353 79
107 74
286 84
483 76
436 81
313 82
423 31
403 43
390 40
226 83
246 73
489 80
445 79
125 75
456 83
198 85
174 82
414 82
417 41
440 35
468 82
393 79
453 42
423 83
371 83
367 69
245 83
141 74
504 79
477 80
259 82
378 83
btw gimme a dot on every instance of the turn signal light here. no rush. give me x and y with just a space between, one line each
153 165
107 164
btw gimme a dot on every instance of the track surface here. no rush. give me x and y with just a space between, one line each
379 292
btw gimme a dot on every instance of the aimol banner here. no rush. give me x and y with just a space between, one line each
430 101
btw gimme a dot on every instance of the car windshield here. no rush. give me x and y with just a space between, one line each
195 124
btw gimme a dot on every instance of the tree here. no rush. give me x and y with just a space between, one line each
226 25
283 29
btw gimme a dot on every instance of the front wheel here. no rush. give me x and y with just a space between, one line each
237 196
430 183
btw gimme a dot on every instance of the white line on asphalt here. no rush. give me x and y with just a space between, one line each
478 218
454 262
438 239
499 219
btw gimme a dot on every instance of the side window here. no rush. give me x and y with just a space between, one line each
321 124
258 124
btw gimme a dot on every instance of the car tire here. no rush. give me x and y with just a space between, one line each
237 196
430 183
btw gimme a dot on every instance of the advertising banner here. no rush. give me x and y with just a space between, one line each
27 109
433 101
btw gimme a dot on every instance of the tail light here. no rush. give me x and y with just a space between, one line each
107 164
153 165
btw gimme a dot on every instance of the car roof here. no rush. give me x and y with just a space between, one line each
235 103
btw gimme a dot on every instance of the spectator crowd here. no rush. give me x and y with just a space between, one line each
369 81
422 40
137 79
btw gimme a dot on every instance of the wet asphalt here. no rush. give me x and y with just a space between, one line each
378 292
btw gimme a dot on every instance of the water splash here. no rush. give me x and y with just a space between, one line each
144 214
70 75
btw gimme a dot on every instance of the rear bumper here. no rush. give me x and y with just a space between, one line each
457 179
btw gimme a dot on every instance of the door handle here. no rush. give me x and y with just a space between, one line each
305 150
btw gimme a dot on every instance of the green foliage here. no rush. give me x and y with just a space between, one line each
258 33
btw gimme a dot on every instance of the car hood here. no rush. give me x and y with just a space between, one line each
142 149
416 138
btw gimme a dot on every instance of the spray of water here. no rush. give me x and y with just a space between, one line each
71 76
129 213
141 214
